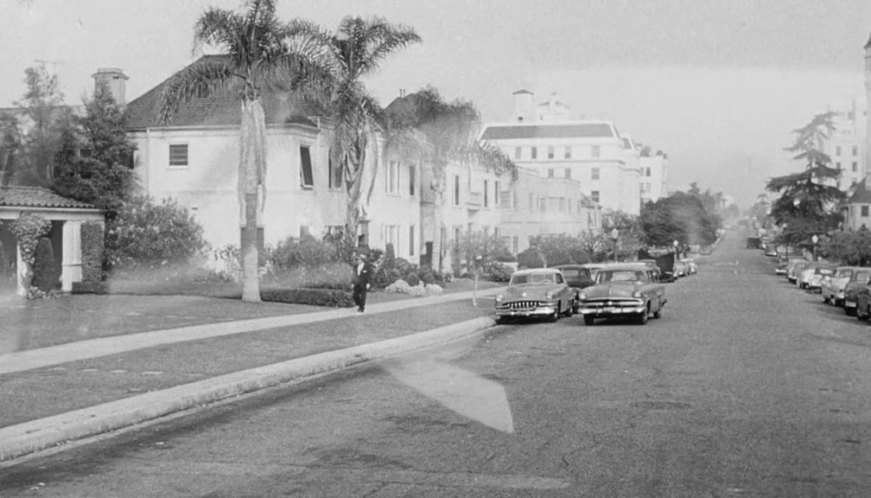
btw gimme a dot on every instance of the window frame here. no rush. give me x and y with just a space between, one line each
305 150
187 155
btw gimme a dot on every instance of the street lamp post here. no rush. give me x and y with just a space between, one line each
815 240
676 253
615 234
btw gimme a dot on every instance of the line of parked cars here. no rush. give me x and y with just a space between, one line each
630 290
844 286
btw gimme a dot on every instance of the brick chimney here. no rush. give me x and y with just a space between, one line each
114 80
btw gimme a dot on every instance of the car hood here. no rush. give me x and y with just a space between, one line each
530 291
611 290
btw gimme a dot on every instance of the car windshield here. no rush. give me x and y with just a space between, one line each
533 278
861 276
619 276
571 272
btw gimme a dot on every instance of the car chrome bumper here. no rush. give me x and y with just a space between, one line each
598 310
526 313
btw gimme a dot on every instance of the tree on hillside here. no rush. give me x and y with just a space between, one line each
95 160
355 51
807 205
258 58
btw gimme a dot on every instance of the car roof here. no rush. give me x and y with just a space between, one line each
531 271
625 266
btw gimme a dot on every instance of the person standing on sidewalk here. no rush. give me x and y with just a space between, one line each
361 281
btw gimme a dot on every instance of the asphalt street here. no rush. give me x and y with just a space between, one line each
746 387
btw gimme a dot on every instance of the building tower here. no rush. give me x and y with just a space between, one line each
868 109
114 80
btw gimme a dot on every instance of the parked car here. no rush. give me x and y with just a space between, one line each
857 282
623 291
578 277
784 263
863 302
539 292
692 267
832 287
794 272
593 267
814 275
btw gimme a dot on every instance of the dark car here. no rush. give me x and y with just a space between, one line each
856 284
578 277
623 291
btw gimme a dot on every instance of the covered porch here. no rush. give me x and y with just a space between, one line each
66 217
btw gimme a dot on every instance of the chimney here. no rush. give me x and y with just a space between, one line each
524 105
114 80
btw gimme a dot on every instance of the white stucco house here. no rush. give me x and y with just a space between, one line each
194 160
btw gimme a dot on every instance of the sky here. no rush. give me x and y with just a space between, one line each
719 85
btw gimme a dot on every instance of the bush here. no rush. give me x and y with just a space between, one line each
336 275
150 235
398 287
304 251
426 275
412 279
497 272
530 258
46 273
315 297
90 287
92 252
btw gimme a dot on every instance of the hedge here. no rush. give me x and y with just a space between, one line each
316 297
92 251
90 287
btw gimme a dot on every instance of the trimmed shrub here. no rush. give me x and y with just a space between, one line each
46 273
150 235
335 275
530 258
304 251
497 272
315 297
398 287
426 275
412 279
90 287
92 252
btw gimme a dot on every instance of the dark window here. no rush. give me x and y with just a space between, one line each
594 195
335 173
411 180
411 240
486 194
535 152
518 152
568 154
855 166
178 155
305 168
864 211
456 190
551 152
496 194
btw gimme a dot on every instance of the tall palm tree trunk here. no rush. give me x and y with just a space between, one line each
252 194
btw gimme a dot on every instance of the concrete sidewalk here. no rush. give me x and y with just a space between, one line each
101 374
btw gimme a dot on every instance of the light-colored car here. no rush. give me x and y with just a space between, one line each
623 291
812 276
832 287
794 275
692 267
540 292
857 283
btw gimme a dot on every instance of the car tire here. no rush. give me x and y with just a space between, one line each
826 300
556 313
658 313
862 316
501 320
570 310
643 317
850 311
589 320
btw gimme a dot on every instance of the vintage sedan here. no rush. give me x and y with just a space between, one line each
857 282
540 292
622 291
832 287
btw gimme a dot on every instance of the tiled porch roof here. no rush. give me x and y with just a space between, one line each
37 197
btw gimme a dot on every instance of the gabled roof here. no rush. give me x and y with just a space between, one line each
38 197
861 195
562 130
218 109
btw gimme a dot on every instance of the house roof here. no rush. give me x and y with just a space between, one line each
861 195
218 109
563 130
37 197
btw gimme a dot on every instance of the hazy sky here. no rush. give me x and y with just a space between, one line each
717 84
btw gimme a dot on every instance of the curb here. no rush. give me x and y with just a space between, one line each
30 437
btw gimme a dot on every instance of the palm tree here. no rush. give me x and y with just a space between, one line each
259 57
356 49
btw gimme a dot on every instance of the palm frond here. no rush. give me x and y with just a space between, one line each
197 80
222 28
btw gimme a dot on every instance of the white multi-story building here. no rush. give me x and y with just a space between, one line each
606 164
653 168
846 147
857 209
195 158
